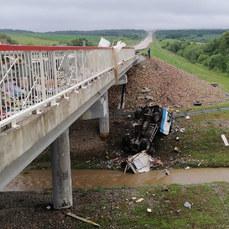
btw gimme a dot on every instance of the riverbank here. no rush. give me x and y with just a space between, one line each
172 206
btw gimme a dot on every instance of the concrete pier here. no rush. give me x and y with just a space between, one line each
61 172
104 126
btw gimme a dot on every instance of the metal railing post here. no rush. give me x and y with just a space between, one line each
42 76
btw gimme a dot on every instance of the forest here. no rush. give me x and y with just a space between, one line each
177 34
213 54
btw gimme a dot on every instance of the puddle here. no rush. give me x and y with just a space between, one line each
41 179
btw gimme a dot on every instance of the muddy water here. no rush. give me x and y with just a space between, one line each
41 179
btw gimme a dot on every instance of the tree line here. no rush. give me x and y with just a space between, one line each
177 34
105 32
213 54
110 32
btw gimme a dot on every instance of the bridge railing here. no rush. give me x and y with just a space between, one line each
32 77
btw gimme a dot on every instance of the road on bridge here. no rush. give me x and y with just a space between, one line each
145 43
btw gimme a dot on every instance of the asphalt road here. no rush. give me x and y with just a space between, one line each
145 43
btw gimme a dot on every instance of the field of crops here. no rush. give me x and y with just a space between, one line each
54 39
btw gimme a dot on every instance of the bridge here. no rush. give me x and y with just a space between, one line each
43 91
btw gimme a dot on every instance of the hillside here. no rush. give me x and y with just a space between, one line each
170 87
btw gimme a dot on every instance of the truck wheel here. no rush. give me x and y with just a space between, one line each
156 117
145 145
138 113
126 140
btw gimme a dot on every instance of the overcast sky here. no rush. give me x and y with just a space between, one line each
55 15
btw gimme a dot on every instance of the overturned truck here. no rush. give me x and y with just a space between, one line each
151 120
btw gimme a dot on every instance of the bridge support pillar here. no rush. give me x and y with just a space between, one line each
104 126
61 172
122 82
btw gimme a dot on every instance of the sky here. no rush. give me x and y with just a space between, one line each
150 15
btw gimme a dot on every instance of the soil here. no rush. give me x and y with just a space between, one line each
169 87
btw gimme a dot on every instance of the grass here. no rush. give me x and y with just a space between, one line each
209 207
196 69
54 39
200 143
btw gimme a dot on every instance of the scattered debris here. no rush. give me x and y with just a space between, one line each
182 129
165 189
176 149
134 198
149 97
214 84
145 90
187 117
199 164
149 210
144 97
139 200
177 138
142 162
197 103
82 219
187 167
48 207
170 100
140 97
224 140
188 205
166 172
149 192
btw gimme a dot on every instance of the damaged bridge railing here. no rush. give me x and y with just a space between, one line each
32 77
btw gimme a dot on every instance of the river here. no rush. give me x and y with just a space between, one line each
41 179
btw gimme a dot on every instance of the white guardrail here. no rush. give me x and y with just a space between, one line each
33 76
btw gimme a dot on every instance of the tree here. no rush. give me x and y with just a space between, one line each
8 39
212 47
79 42
218 61
202 58
174 46
224 43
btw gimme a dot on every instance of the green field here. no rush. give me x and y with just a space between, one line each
204 38
54 39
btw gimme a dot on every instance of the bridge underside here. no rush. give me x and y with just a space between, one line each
21 145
